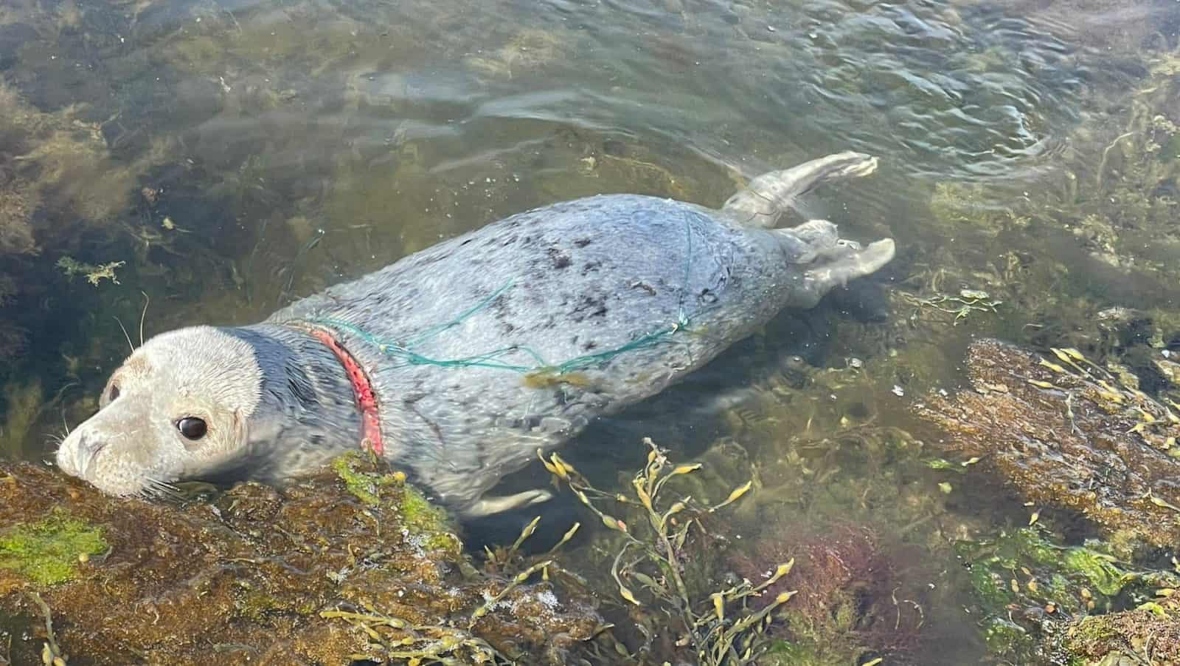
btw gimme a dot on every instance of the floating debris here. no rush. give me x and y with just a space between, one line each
94 274
961 305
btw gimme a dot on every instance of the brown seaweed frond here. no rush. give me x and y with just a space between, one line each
396 639
51 654
729 626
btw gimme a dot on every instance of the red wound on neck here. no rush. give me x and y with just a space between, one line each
362 389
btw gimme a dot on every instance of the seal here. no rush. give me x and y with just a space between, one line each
458 363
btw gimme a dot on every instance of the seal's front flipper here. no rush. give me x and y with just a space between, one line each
488 506
768 196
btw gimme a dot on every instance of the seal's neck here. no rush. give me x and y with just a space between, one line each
309 410
362 389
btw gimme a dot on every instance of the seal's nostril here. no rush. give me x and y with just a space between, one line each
88 448
91 444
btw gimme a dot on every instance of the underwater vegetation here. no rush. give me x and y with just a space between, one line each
1055 263
61 192
54 172
354 565
850 601
1073 440
653 566
1045 603
1143 636
1066 433
1071 399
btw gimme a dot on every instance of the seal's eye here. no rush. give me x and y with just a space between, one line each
192 428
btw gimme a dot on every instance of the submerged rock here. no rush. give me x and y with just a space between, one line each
1065 433
350 565
1122 638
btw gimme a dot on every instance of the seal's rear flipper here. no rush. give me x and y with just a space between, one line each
492 505
852 263
768 196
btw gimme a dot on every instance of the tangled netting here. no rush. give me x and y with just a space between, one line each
405 352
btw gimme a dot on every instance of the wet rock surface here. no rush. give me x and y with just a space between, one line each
351 565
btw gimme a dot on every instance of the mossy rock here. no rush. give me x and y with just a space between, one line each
1031 592
351 562
47 552
1117 638
429 525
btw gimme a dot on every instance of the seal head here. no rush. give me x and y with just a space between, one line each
179 404
202 402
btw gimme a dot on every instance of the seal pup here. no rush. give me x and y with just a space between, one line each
459 362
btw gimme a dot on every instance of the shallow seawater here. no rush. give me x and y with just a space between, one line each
235 155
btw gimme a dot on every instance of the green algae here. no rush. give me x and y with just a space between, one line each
426 521
48 552
991 588
365 486
1032 592
1059 573
1006 637
1097 568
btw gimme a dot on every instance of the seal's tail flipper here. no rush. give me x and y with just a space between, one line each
768 196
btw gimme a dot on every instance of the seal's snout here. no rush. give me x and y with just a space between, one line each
88 447
89 444
78 451
69 454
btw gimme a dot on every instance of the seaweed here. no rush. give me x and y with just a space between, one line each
1136 636
850 601
1032 591
1066 433
427 523
728 626
94 274
24 405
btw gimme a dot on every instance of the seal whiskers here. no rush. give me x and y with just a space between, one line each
156 489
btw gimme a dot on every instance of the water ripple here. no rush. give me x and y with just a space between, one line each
973 92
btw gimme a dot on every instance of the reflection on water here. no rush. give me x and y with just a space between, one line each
237 155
